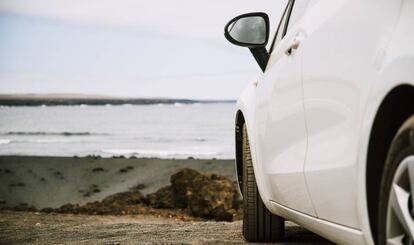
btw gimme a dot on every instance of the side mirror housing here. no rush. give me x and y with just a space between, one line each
248 30
252 31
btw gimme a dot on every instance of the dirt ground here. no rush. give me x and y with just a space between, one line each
42 228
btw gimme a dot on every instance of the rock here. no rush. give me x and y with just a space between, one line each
68 208
102 208
47 210
130 202
120 156
163 198
181 182
139 187
213 197
125 198
19 184
123 170
99 169
209 196
24 207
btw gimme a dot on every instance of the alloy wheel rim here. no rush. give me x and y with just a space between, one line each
400 209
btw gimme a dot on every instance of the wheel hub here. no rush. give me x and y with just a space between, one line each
400 221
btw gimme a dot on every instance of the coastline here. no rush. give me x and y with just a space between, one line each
85 99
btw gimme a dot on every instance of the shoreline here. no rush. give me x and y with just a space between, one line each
124 156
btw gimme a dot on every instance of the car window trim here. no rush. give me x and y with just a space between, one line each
288 18
286 13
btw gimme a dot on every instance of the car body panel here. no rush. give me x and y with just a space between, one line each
394 69
335 95
280 130
347 97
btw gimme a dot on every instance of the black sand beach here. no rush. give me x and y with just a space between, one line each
54 181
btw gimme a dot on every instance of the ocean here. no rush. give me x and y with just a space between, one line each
165 131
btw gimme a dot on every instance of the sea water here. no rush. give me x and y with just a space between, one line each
165 131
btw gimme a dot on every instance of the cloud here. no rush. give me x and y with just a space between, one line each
158 48
189 18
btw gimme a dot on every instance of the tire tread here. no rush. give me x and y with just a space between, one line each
259 224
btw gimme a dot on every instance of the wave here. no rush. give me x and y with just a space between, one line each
44 133
4 141
40 141
47 141
169 139
199 140
166 154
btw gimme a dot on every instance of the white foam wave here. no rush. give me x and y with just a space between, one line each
164 153
45 133
45 141
4 141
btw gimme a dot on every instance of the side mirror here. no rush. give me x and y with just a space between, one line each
250 30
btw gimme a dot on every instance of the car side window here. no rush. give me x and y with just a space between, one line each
295 9
297 12
281 30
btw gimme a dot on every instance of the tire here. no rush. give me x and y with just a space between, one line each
259 225
395 176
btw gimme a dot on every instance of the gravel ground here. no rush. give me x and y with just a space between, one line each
41 228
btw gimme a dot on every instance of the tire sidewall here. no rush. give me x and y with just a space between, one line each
400 149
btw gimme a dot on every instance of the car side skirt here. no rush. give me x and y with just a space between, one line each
334 232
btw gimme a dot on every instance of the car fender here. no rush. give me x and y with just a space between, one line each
397 70
246 106
245 109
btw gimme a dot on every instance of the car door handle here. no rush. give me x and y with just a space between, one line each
300 35
293 46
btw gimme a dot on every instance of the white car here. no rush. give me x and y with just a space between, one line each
325 136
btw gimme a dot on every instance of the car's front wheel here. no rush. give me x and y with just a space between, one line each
259 225
396 210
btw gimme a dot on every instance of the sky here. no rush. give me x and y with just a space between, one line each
133 48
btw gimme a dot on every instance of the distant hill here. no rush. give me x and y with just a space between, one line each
84 99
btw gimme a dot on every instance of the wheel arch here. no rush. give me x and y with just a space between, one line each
244 115
240 121
397 105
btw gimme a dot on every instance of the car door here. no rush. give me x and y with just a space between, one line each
280 128
339 58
